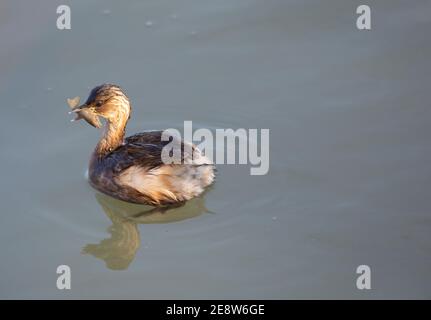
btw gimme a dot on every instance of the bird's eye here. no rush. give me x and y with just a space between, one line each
99 103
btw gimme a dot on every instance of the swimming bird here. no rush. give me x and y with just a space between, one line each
131 169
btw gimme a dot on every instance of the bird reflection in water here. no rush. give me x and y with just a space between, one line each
119 250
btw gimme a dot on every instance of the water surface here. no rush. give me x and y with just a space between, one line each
349 119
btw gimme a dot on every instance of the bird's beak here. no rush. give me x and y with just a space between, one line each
79 108
84 112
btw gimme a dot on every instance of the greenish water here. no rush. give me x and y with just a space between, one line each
349 179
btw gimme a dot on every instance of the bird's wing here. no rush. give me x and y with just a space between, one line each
145 150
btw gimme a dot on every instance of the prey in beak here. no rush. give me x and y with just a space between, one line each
82 112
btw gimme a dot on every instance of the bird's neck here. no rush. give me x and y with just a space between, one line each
112 137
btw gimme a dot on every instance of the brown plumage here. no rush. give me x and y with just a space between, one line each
131 169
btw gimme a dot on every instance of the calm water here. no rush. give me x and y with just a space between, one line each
349 180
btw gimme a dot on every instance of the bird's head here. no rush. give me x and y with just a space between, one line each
107 101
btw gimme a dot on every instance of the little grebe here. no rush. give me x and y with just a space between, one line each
131 169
